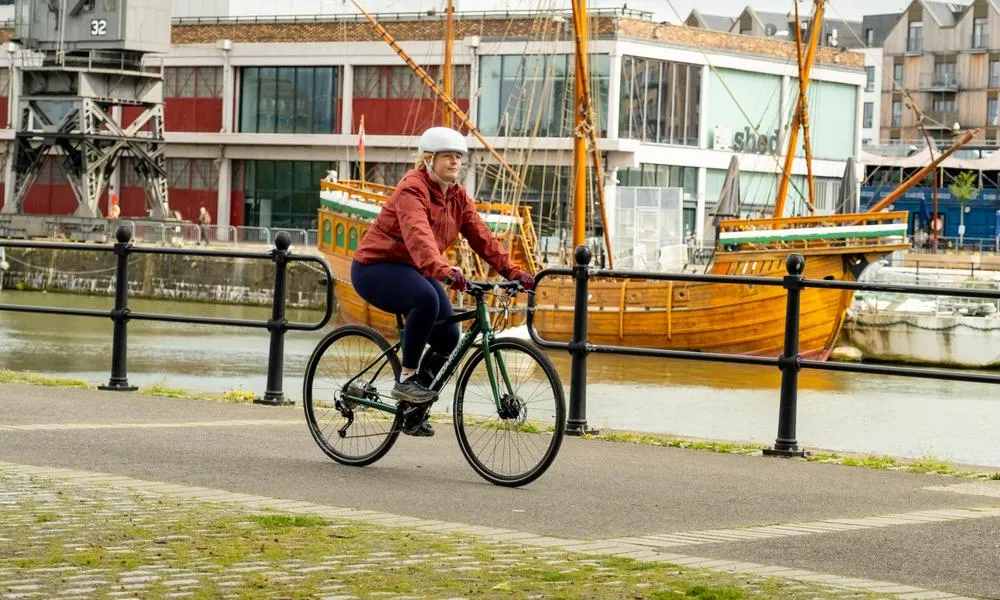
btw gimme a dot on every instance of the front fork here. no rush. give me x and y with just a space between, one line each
507 390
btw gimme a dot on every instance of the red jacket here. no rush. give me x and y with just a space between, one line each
418 223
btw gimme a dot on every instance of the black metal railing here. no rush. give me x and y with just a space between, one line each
790 362
121 314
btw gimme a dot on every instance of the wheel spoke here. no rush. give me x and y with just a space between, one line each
349 432
515 443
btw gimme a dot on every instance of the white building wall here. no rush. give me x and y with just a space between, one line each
873 58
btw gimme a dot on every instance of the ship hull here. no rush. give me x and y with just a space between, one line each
702 317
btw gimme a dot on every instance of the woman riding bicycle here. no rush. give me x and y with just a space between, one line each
399 264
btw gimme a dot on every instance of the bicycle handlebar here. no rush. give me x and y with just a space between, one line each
478 288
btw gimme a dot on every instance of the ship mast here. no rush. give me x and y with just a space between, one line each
446 79
444 98
583 131
816 31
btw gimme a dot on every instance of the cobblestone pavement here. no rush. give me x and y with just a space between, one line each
74 534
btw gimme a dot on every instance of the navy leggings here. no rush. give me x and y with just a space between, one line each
401 289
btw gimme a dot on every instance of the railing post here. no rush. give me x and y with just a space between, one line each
278 324
576 423
786 444
119 343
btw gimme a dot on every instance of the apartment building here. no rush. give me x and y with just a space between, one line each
944 60
836 33
874 30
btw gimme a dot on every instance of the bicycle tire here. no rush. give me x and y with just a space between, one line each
318 404
506 424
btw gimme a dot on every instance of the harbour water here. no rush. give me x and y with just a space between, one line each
959 422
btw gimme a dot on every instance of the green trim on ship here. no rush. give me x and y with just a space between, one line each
364 210
788 235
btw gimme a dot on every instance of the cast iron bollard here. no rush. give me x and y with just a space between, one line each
576 423
120 314
789 363
278 324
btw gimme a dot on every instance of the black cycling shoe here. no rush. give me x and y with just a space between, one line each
421 429
413 391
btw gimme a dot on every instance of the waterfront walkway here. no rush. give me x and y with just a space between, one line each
69 454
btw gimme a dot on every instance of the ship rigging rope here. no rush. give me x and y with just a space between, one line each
736 101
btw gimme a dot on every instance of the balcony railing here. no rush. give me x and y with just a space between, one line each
915 43
946 81
980 41
940 119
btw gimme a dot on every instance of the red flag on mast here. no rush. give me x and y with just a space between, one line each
361 138
361 146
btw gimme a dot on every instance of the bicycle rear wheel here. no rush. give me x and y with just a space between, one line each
348 432
514 445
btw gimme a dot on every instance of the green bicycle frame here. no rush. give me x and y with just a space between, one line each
480 325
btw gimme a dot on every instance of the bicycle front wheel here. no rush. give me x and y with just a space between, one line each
349 364
513 444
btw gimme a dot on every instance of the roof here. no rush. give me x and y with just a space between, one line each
718 22
945 13
880 25
779 20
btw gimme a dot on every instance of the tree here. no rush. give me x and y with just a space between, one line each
963 188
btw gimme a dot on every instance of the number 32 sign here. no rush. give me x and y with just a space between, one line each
98 27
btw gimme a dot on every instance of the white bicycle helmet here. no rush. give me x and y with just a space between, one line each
442 139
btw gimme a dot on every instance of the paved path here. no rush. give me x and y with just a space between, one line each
917 536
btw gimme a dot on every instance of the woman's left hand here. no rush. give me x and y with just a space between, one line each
523 277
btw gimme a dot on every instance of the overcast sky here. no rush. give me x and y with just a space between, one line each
836 9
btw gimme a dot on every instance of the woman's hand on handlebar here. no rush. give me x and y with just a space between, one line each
456 280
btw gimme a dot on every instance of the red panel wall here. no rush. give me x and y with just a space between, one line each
193 114
399 116
237 208
188 202
50 200
184 114
4 107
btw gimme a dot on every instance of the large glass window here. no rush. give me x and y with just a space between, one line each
994 73
944 74
532 95
288 100
547 189
897 114
283 193
660 101
870 79
979 37
915 37
385 173
991 112
869 115
653 175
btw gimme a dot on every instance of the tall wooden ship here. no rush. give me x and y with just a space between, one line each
705 317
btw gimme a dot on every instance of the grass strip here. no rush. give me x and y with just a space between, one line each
64 536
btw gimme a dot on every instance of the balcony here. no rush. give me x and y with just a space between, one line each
939 82
940 119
